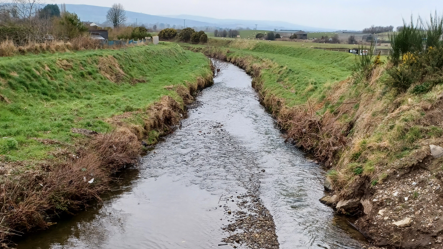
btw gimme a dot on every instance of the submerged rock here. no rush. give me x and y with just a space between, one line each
436 151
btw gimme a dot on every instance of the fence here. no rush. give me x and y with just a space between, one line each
347 50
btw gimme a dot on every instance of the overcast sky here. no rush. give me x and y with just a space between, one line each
334 14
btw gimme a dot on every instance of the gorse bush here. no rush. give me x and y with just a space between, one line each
185 34
167 34
417 55
138 33
204 38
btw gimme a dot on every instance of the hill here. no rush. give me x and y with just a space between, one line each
98 14
261 24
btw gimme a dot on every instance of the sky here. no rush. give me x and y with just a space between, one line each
333 14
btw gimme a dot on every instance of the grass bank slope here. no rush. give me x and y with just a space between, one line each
69 121
374 139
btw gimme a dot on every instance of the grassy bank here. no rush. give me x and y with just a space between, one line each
69 121
374 138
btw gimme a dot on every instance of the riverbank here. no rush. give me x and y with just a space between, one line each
375 141
70 121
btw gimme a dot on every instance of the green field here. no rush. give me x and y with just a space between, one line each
49 94
299 72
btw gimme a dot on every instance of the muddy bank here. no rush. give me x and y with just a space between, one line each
70 183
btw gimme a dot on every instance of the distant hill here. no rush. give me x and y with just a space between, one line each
97 14
261 24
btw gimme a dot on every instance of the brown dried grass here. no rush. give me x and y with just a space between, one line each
109 67
8 48
30 198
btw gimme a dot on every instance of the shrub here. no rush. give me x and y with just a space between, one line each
352 40
270 36
402 77
204 38
259 36
17 34
70 26
167 34
408 40
292 37
195 38
277 36
185 34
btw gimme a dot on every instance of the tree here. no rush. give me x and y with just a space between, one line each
270 36
293 36
378 29
351 40
277 36
215 33
185 34
167 34
50 10
154 28
335 39
224 33
139 33
116 15
70 26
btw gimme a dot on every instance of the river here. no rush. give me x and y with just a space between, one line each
228 159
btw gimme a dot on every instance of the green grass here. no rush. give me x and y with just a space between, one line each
301 73
47 101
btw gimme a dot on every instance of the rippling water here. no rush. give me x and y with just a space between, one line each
175 199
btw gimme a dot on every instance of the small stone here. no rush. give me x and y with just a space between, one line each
406 198
396 193
329 200
381 212
403 223
436 151
414 183
328 184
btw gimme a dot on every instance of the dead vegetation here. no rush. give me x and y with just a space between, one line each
33 198
109 67
8 48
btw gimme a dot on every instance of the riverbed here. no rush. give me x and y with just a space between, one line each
226 166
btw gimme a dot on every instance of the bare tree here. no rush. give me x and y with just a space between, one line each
25 9
116 15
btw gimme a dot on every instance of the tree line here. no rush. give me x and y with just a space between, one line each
232 33
378 29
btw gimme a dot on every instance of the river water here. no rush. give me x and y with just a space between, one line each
180 197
